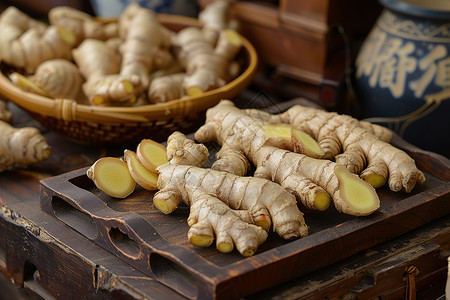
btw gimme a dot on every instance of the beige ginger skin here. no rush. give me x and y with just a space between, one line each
55 78
100 65
83 25
360 146
312 181
120 61
25 42
237 211
120 78
224 205
21 146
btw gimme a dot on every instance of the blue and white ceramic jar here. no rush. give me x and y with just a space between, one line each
113 8
403 72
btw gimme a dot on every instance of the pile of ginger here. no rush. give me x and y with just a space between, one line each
303 158
132 60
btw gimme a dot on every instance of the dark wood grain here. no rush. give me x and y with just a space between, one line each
377 272
69 259
51 261
134 230
156 244
46 257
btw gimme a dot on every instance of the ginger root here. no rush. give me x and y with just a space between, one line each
100 65
206 65
111 175
235 211
119 60
121 78
25 43
55 78
210 217
312 181
21 146
224 205
184 151
80 23
215 19
165 88
143 176
151 154
145 46
363 148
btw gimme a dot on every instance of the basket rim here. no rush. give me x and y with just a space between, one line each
69 110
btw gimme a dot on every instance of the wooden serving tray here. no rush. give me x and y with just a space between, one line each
156 244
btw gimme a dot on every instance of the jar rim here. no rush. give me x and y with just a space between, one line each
420 8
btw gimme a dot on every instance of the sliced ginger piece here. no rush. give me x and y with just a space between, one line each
305 144
111 175
278 135
285 136
151 154
143 176
278 130
359 196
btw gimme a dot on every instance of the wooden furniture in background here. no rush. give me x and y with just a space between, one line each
40 8
307 45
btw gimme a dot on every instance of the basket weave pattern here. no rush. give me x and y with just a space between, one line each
110 134
117 125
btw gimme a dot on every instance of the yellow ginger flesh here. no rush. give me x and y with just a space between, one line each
111 175
262 199
365 147
224 205
313 181
143 176
360 146
25 42
151 154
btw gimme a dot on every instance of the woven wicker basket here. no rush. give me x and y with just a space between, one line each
118 125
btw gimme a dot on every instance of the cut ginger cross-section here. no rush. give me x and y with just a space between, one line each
143 176
151 154
111 175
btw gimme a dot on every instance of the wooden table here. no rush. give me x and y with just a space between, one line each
46 258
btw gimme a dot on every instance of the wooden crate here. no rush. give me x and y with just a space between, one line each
48 258
310 41
157 245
